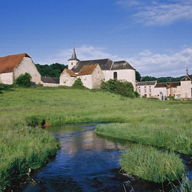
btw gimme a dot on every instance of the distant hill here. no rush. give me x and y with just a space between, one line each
53 70
163 79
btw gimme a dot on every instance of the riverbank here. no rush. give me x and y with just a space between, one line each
24 107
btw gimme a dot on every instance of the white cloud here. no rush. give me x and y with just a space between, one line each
158 13
147 63
161 65
146 52
84 52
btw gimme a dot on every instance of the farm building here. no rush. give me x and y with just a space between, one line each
12 66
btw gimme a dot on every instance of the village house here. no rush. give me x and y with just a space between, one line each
12 66
67 77
146 88
178 90
120 70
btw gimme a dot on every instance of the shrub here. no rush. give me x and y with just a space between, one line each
23 80
78 83
122 88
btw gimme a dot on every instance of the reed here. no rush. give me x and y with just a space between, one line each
151 164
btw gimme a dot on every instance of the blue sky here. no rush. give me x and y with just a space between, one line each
155 37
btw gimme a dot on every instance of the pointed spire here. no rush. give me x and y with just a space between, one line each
187 72
74 57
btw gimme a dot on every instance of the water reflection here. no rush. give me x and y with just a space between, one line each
86 162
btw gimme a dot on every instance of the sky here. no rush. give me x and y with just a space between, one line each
155 37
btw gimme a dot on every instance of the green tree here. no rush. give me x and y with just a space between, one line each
53 70
138 76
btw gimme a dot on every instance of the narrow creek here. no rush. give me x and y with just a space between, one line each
87 162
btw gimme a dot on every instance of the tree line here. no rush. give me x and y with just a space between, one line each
159 79
53 70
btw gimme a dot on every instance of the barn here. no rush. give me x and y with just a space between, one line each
12 66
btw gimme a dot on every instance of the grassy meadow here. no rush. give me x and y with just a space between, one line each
23 147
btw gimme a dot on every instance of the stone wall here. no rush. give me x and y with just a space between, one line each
66 79
97 78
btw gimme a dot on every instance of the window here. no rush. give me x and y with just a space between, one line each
145 89
149 88
71 63
115 75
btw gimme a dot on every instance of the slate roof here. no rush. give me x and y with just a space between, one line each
167 84
10 62
105 64
50 80
174 84
87 69
146 83
70 72
74 56
161 85
117 65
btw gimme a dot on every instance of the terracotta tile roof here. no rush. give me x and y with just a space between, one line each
87 70
70 72
10 62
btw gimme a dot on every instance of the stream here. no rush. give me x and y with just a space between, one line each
88 162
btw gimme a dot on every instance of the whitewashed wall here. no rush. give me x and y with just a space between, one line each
146 90
27 66
6 78
186 89
122 75
87 81
161 91
72 63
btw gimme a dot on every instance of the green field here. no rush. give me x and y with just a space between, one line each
24 147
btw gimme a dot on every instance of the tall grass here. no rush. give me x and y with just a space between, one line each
151 164
172 136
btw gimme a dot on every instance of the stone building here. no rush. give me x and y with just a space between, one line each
14 65
120 70
91 76
146 88
67 77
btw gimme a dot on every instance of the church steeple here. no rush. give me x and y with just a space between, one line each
74 57
73 61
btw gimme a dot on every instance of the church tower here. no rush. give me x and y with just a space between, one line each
73 61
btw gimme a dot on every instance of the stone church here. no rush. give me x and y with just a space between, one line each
120 70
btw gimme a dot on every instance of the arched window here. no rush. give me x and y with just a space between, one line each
115 75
